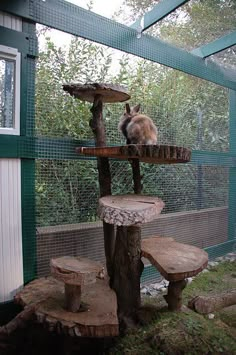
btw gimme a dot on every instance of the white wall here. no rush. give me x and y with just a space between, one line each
11 260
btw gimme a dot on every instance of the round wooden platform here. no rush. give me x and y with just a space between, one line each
127 210
46 297
157 154
175 261
107 92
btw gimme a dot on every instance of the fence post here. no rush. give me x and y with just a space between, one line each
232 170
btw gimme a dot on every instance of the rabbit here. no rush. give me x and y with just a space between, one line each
137 128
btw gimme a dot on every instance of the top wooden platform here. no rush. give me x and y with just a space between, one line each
159 154
175 261
105 92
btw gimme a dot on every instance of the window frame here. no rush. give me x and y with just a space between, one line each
15 56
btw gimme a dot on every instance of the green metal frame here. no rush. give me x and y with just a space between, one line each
216 46
158 12
84 23
232 171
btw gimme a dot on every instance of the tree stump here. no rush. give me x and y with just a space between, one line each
75 273
128 212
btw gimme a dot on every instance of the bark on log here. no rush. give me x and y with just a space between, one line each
45 297
209 304
127 270
160 154
127 210
104 176
19 321
174 296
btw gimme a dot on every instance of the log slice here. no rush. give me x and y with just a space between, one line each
46 297
127 210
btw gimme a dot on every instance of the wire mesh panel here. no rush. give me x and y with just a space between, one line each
188 112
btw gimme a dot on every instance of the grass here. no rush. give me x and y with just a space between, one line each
177 333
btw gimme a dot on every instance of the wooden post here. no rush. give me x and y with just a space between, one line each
127 265
72 297
127 269
174 296
98 128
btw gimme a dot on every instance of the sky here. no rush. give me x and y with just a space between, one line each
105 8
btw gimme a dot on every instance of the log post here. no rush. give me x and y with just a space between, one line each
104 176
72 297
174 296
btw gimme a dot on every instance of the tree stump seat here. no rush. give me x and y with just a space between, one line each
75 272
176 262
45 297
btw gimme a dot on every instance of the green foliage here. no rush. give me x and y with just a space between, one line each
187 111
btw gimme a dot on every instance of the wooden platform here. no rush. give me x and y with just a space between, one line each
157 154
127 210
46 296
175 261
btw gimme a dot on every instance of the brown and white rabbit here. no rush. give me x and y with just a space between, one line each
137 128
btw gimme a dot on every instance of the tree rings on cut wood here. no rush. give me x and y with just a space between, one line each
76 270
107 92
159 154
127 210
175 261
46 297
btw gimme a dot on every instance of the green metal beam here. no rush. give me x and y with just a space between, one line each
232 170
72 19
63 148
216 46
158 12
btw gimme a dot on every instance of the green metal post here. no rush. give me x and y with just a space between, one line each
232 171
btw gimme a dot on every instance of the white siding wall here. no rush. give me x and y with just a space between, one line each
10 21
11 258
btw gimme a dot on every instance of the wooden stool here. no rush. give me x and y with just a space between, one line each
75 272
176 262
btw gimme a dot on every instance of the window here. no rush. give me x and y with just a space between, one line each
9 91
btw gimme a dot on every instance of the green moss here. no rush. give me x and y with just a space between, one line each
177 333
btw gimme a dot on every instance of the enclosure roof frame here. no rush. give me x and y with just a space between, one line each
216 46
84 23
157 13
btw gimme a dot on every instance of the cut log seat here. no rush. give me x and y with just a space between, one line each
176 262
75 272
45 297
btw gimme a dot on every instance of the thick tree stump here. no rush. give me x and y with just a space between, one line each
127 269
127 212
209 304
75 273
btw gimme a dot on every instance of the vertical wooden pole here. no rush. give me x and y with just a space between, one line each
98 128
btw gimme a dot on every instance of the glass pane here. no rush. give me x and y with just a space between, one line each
7 88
